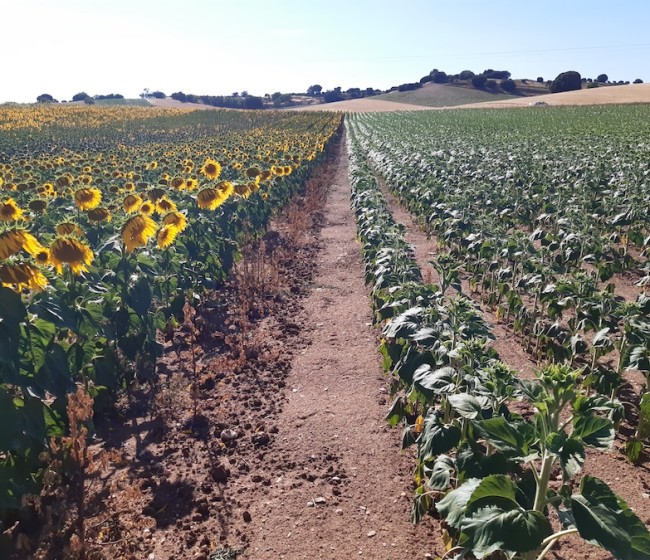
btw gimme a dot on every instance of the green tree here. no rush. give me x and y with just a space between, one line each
567 81
602 78
46 98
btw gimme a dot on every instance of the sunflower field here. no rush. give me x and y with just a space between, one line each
110 220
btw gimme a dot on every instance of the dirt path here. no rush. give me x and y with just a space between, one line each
346 493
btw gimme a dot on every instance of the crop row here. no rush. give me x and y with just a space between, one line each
547 240
481 466
105 236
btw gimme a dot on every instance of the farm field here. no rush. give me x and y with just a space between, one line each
207 352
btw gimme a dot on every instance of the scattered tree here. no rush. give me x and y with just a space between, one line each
316 89
602 78
508 85
158 95
540 80
439 78
81 96
333 95
479 81
46 98
466 75
638 81
567 81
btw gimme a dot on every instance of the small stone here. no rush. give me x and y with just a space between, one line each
372 533
320 500
247 517
310 504
339 511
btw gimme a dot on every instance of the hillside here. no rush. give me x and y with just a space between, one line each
605 95
443 95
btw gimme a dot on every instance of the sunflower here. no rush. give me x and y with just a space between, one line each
99 215
266 175
12 241
131 203
156 194
243 190
22 276
71 251
63 181
37 205
42 257
252 172
212 198
137 231
191 183
164 206
176 219
211 169
166 236
147 208
177 183
69 228
9 211
87 198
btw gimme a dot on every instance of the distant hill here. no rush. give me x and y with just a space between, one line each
443 95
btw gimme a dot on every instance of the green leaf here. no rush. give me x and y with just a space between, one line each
396 412
467 406
604 519
140 297
437 438
440 477
492 528
54 376
440 381
452 506
594 431
570 451
496 489
506 437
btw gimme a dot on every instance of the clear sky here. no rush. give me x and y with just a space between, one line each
217 47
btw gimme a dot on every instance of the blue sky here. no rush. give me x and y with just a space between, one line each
217 47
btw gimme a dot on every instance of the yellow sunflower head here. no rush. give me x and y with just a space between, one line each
15 240
69 228
99 215
176 219
9 211
131 203
37 205
137 231
87 198
43 257
70 251
211 169
164 206
21 277
177 183
147 208
166 236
